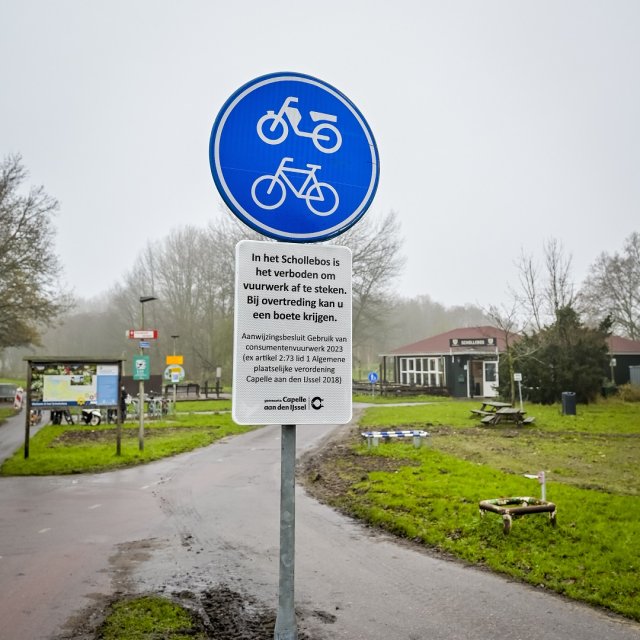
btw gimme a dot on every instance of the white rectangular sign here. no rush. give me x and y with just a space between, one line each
292 334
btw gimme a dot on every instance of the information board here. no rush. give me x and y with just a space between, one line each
292 334
66 384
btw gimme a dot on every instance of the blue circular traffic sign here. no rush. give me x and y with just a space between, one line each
373 377
294 158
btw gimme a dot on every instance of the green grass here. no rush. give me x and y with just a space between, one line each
439 413
431 495
64 449
150 618
203 405
603 417
591 555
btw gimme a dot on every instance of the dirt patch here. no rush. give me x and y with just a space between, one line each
88 435
329 471
229 615
219 613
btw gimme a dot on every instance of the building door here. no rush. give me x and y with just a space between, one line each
489 378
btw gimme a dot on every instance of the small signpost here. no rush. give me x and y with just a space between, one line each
218 380
517 377
174 373
142 366
294 159
373 378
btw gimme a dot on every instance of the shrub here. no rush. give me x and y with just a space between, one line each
629 393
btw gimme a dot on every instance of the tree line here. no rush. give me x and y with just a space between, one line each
191 273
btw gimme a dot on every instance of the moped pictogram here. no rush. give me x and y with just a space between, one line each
273 128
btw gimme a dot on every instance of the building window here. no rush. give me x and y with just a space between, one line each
427 372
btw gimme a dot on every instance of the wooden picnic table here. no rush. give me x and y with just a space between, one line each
507 414
494 412
489 408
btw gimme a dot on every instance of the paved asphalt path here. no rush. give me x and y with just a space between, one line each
210 517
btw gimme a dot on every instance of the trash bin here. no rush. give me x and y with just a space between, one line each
568 403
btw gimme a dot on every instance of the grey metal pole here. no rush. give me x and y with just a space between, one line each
175 399
174 338
520 394
141 411
27 411
141 391
286 628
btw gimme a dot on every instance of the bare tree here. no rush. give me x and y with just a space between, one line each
542 292
529 295
559 291
612 288
506 320
376 246
30 295
191 273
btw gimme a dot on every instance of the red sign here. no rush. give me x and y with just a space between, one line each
142 334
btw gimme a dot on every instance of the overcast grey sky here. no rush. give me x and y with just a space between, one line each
499 124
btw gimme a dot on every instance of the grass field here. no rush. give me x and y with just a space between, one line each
62 449
431 495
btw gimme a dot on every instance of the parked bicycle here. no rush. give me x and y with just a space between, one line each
57 416
158 407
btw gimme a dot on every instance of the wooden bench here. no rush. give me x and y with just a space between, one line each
480 412
373 437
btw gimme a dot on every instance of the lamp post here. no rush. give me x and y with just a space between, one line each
174 338
143 299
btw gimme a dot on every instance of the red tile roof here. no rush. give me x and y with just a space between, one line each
438 345
623 346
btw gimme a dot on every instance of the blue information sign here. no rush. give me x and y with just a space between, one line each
293 158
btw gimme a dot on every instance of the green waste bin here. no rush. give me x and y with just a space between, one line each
568 403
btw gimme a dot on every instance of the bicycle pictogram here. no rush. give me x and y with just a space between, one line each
270 191
273 128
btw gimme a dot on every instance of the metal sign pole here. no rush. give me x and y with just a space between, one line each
120 415
27 412
286 628
141 413
520 394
